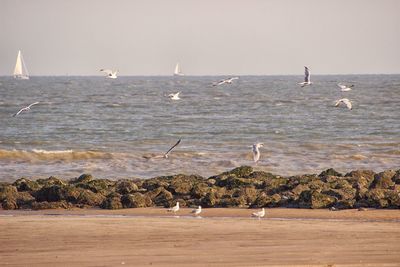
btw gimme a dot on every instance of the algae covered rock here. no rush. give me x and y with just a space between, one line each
136 200
241 172
102 186
330 172
248 194
316 200
126 187
51 205
89 198
112 202
24 184
239 187
200 190
84 178
8 197
361 180
9 204
183 184
210 200
51 181
265 200
161 196
51 193
24 200
383 180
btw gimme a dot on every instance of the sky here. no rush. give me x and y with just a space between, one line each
207 37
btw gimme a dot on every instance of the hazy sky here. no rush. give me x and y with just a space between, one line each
208 37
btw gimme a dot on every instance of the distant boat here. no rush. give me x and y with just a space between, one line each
178 71
20 70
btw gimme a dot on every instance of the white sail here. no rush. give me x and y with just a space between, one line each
20 70
177 70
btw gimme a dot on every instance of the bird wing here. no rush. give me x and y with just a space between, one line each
16 114
338 102
256 214
342 86
169 150
33 104
306 74
107 71
347 103
221 82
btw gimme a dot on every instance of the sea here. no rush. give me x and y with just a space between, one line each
109 127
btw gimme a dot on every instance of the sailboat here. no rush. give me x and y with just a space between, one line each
177 71
20 70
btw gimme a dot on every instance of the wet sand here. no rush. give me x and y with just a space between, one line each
222 237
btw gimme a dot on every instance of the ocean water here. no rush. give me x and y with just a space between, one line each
105 127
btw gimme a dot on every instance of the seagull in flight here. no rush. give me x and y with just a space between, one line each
345 101
175 208
169 150
256 151
174 96
259 214
307 80
345 88
229 81
110 73
165 156
196 211
25 109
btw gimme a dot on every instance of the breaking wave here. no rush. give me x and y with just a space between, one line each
40 154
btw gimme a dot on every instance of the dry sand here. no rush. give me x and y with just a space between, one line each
223 237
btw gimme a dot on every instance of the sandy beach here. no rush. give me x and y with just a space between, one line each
222 237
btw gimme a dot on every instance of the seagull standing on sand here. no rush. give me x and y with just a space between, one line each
256 151
259 214
174 96
229 81
196 211
110 73
25 109
345 101
307 80
345 88
175 208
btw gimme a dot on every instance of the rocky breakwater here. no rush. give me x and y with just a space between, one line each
240 187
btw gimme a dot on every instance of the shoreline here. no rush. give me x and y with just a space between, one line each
36 239
354 215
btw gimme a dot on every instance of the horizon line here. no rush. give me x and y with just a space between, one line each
201 75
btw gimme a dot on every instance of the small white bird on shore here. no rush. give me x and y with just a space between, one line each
25 109
174 96
110 73
345 101
256 151
345 88
196 211
228 81
175 208
259 214
307 77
